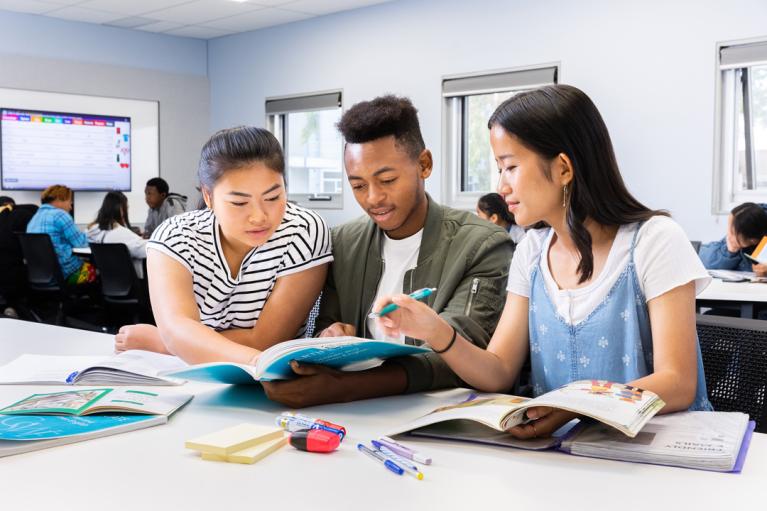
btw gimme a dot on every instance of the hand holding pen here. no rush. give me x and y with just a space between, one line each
406 315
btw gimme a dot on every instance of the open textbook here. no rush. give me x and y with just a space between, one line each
620 406
90 401
134 367
345 353
704 440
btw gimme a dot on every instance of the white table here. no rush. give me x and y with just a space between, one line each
748 297
82 251
150 469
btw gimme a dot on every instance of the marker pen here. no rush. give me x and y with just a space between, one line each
290 421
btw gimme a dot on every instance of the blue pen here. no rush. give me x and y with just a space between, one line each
370 453
417 295
406 465
71 377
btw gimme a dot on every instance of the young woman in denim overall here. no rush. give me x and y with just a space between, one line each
581 303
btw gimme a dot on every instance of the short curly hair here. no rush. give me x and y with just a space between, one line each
382 117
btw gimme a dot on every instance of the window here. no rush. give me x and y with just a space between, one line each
470 169
740 159
306 128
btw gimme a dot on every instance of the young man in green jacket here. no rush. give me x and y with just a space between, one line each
406 242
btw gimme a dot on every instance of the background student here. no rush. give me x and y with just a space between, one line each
606 292
405 242
162 204
492 207
112 226
241 275
746 225
53 219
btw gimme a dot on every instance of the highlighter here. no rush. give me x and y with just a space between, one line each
314 440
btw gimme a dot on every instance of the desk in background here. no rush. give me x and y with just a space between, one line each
150 469
748 297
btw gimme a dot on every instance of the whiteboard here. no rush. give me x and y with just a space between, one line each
145 149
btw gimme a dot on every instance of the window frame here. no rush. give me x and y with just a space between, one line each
725 193
277 123
455 129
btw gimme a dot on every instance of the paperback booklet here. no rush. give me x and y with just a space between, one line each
622 407
25 433
90 401
344 353
703 440
133 367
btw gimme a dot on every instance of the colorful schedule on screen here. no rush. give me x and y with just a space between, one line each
82 151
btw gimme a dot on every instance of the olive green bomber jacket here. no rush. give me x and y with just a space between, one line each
464 257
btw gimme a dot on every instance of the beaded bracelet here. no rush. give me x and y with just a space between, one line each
450 344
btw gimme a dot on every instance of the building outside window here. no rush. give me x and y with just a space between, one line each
306 128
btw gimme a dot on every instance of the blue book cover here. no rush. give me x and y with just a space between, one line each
44 427
345 353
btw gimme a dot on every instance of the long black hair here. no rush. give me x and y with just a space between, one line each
114 209
493 204
561 119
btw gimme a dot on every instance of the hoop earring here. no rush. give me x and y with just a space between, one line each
564 196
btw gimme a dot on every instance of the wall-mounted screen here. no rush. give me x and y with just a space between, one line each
81 151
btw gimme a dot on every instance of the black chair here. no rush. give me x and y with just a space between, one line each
45 279
696 245
734 352
123 292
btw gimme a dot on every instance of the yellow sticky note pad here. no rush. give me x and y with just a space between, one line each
234 439
251 454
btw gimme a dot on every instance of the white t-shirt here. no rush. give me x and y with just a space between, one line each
663 256
517 234
399 256
302 241
120 234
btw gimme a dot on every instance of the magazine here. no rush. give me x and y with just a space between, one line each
620 406
344 353
133 367
704 440
90 401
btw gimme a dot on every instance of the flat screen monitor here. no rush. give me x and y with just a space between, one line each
81 151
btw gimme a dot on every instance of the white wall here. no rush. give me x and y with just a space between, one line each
45 54
649 67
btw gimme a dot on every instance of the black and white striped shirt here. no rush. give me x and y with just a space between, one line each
193 239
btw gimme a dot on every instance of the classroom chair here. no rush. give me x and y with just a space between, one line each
46 282
696 245
734 352
124 293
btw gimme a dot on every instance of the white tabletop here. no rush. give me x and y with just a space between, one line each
82 251
735 291
150 469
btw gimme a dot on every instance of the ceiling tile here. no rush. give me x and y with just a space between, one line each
77 13
131 22
131 7
320 7
198 32
201 11
28 6
257 19
160 26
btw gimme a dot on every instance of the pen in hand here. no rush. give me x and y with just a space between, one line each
417 295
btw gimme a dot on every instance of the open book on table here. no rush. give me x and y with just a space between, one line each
620 406
133 367
344 353
90 401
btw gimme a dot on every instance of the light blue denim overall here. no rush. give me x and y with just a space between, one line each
614 342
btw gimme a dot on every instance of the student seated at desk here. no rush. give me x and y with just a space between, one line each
162 204
242 274
492 207
604 288
405 242
746 226
53 219
112 226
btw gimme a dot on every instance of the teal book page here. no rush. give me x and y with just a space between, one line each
43 427
70 402
338 357
217 372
